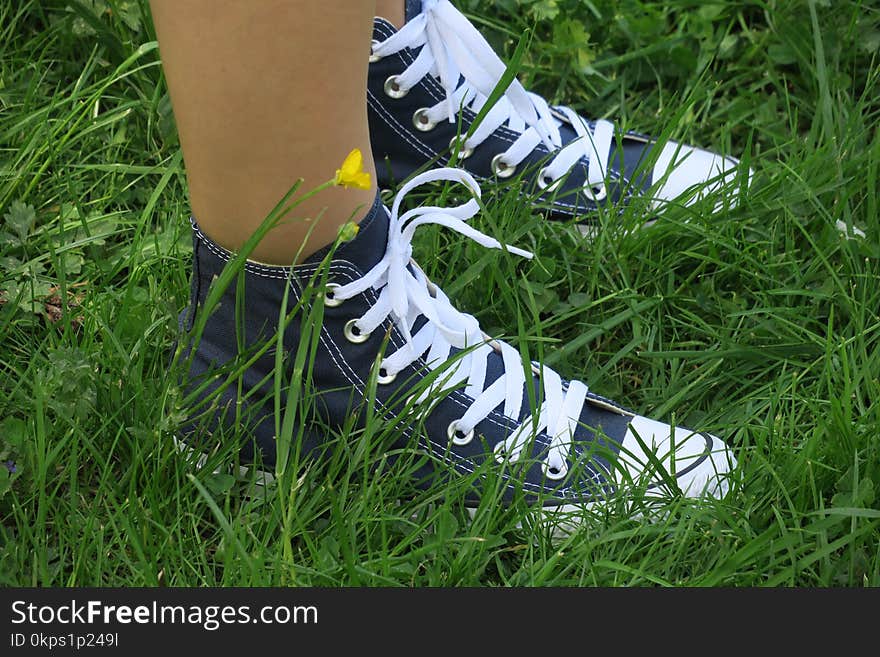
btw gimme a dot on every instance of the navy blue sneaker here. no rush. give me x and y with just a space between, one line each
467 401
429 80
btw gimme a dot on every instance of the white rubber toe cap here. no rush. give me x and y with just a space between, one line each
699 463
687 173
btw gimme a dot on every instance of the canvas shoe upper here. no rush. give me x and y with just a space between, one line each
429 80
467 400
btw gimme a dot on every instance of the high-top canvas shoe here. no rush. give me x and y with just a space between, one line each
466 400
429 80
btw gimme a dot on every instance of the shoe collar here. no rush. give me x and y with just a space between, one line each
368 246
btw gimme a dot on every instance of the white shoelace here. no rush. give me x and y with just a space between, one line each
405 293
453 49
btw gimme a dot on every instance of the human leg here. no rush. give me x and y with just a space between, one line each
265 92
394 11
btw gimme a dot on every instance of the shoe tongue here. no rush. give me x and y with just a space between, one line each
412 9
368 246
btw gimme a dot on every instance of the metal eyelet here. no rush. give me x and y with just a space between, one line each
458 144
374 58
501 168
414 404
457 436
330 301
421 120
349 332
500 452
598 191
393 88
546 182
386 378
552 472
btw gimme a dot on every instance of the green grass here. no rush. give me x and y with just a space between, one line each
758 323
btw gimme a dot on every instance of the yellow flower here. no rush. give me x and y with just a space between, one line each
352 174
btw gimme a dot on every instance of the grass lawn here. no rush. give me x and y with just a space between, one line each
759 323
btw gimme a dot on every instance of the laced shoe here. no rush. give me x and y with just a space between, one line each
428 82
469 402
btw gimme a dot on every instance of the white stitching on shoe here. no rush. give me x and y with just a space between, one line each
406 293
441 94
421 147
503 133
454 396
347 270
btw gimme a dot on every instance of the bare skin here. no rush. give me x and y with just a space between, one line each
392 11
266 92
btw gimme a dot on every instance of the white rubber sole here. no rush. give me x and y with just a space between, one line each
199 461
559 521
